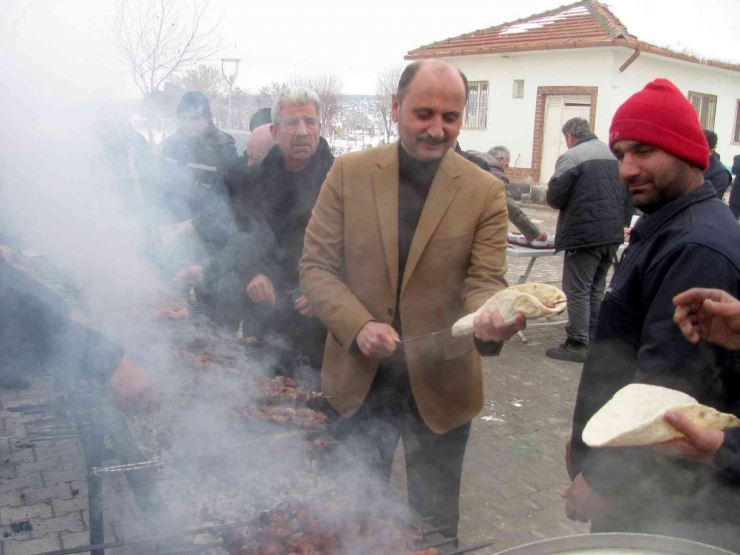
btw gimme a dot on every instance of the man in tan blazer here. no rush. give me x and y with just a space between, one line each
405 239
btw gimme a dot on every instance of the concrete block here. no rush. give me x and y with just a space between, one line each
64 506
35 495
71 522
9 515
28 481
54 464
57 477
44 452
32 547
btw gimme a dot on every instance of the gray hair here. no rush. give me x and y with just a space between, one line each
294 96
499 152
576 128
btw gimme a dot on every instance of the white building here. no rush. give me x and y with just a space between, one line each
530 76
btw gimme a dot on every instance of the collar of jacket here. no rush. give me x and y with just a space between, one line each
585 139
388 156
275 160
648 225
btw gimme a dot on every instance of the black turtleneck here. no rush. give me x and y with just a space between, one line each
414 181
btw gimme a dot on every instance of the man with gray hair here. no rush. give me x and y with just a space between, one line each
272 202
589 193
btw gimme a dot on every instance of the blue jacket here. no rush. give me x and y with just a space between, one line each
691 242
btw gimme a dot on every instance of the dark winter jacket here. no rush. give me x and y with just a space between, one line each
193 170
36 332
590 195
735 193
718 175
691 242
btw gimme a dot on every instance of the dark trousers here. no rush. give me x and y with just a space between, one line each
433 461
584 279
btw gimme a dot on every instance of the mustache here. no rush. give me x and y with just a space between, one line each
428 139
640 179
302 140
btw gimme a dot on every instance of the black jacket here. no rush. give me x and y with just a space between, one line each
590 195
718 175
193 187
691 242
735 193
36 333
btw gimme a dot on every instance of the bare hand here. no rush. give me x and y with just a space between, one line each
190 275
377 340
131 390
700 444
541 237
490 326
303 307
261 290
583 503
709 314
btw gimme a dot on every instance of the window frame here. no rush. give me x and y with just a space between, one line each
514 89
477 118
736 128
704 104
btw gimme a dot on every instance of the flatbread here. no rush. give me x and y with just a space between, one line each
526 298
635 416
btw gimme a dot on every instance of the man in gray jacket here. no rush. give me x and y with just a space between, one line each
587 190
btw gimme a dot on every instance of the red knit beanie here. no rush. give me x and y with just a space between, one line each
660 115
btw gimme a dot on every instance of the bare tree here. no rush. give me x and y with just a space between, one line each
204 78
157 38
385 88
329 88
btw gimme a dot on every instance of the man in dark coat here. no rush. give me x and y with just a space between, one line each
716 173
735 192
194 161
37 331
686 238
273 200
590 196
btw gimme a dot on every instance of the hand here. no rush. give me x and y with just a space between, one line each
303 307
19 261
377 340
709 314
190 275
700 444
261 290
490 326
584 504
130 389
541 237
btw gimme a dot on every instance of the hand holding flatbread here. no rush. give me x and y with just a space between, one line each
533 300
635 416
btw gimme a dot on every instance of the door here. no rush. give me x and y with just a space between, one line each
558 110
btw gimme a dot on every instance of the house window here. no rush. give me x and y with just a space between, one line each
736 129
706 106
518 89
476 110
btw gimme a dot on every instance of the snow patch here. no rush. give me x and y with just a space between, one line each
540 22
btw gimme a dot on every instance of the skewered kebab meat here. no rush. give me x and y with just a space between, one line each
303 418
282 390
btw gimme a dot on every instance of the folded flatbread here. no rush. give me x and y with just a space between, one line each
635 416
528 299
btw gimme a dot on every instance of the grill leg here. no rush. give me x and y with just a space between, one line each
95 491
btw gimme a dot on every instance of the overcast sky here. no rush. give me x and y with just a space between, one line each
66 43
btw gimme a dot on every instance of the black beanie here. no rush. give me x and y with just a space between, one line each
197 102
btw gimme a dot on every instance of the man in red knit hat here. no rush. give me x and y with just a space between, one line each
686 239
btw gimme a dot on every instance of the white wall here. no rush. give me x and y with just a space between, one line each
511 121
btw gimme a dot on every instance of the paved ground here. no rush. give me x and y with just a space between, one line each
513 474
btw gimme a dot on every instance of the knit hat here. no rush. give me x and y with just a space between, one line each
660 115
197 102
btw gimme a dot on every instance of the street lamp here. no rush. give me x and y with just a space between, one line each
233 64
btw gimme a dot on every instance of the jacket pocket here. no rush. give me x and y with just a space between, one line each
458 346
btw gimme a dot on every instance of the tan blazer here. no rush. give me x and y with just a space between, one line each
457 260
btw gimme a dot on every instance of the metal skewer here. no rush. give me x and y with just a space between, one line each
472 548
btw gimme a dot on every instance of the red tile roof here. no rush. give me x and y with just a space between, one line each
584 24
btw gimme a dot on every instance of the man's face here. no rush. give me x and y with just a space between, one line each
504 161
297 133
652 176
192 123
430 115
570 140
